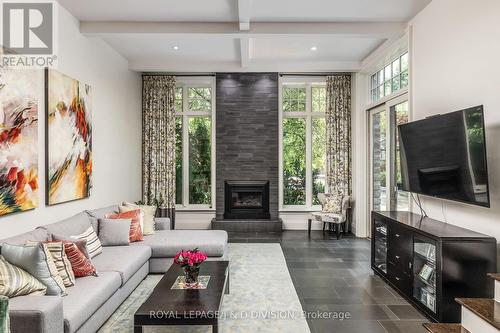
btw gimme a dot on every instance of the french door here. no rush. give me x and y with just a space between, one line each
386 191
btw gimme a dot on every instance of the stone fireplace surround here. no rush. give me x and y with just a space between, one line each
247 145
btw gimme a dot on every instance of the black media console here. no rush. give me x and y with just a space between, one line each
430 263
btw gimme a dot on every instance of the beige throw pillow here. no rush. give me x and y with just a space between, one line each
15 281
148 216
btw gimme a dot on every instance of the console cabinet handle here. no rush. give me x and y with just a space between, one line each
397 235
397 279
397 257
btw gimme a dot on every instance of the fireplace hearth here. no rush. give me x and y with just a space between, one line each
246 199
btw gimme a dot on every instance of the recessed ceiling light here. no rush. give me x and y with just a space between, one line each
175 48
314 48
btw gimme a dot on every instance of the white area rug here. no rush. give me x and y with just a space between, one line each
262 296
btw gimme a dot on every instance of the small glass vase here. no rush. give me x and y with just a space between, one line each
191 274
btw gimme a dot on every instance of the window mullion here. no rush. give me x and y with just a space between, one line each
185 149
308 146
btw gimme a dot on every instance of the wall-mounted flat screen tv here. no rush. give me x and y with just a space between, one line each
444 156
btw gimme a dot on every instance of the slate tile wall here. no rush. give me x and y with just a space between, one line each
247 132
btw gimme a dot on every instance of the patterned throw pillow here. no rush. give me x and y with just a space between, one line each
62 262
149 215
135 233
15 281
333 203
80 264
94 245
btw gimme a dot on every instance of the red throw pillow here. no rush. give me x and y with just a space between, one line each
135 233
81 265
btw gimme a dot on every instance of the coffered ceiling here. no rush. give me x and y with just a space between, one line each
244 35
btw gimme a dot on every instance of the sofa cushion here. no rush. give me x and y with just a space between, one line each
166 243
37 235
102 212
73 225
99 213
86 297
36 314
125 260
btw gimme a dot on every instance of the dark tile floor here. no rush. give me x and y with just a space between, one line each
334 276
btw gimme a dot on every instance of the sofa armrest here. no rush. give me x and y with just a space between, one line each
40 314
162 223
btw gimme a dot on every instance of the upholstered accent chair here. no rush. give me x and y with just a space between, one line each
335 220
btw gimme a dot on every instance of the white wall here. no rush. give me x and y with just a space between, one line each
455 50
117 126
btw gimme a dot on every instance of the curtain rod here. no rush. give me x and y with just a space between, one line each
180 74
314 74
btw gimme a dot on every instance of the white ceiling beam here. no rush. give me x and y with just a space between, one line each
269 30
160 65
244 51
244 14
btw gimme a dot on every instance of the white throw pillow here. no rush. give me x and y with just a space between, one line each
148 216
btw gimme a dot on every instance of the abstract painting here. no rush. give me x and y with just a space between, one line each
68 138
19 90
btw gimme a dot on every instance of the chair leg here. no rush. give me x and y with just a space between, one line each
309 226
324 225
338 230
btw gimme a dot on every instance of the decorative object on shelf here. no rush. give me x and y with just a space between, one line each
68 138
190 261
426 272
18 140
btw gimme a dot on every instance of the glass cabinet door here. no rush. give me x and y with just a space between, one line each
424 272
380 241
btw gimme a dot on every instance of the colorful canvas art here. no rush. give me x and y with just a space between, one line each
19 140
69 138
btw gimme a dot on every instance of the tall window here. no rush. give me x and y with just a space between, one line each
194 103
390 79
303 142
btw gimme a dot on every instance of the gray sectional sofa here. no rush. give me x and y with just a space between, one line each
121 268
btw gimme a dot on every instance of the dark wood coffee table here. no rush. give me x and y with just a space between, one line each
166 306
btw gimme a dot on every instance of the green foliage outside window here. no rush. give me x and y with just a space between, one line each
199 99
199 160
294 99
294 161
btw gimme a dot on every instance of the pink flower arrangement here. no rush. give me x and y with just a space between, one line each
190 258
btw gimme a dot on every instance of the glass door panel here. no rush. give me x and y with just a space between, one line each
399 199
424 272
380 240
378 126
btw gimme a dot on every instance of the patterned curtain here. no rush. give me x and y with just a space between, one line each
338 134
158 143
